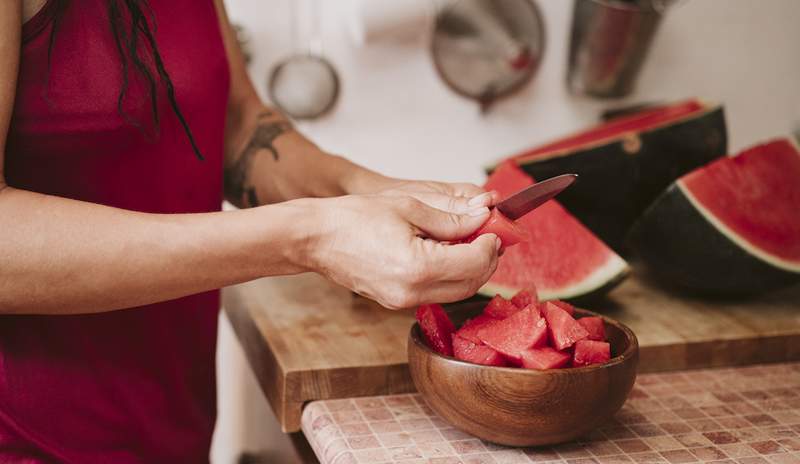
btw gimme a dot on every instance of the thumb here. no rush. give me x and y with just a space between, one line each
444 225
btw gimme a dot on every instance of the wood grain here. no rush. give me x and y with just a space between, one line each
524 407
307 339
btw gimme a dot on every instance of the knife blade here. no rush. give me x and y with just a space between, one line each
530 198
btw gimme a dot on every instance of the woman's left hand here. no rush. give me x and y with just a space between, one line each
452 197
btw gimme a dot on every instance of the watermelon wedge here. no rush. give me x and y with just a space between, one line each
562 258
469 330
500 308
642 152
565 306
595 327
564 330
731 227
436 327
545 358
520 331
525 298
466 350
588 352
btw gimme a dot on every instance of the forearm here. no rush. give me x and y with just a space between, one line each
269 161
60 256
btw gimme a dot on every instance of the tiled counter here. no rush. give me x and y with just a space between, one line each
749 415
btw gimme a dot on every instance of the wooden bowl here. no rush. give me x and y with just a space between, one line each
524 407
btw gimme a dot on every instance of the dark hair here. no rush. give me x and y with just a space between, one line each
133 34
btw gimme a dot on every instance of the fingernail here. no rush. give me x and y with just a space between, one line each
478 212
497 244
480 200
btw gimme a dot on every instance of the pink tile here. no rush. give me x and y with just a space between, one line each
720 438
663 416
358 428
790 444
379 414
728 397
345 458
510 456
362 442
678 456
433 450
675 428
426 436
582 461
751 434
630 417
693 440
755 395
617 459
371 456
404 452
445 460
369 402
738 450
709 453
761 419
646 430
399 400
786 417
733 422
572 450
340 405
394 439
346 417
675 402
468 446
647 458
485 458
617 432
416 424
781 431
690 413
603 448
385 426
704 425
632 446
767 447
541 454
784 458
715 411
743 408
455 434
663 443
753 460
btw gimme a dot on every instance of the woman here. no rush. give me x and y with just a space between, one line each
119 120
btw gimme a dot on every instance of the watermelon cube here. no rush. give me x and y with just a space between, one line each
588 352
565 306
437 328
500 308
465 350
564 330
469 330
525 297
509 232
520 331
594 325
544 358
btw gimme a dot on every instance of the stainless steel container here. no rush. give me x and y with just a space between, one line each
609 42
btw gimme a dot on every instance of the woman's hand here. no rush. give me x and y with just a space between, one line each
390 248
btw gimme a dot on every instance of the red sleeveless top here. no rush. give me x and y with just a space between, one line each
137 385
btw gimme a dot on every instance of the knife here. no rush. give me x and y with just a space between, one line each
530 198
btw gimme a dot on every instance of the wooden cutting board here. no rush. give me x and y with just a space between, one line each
307 339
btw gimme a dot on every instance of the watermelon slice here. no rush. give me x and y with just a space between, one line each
564 330
545 358
466 350
520 331
561 258
565 306
732 227
469 330
525 298
509 232
500 308
595 327
642 152
436 327
588 352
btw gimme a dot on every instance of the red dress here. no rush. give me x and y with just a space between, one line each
137 385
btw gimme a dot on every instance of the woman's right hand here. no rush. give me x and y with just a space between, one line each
391 249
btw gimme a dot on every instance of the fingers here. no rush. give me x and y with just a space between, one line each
462 189
439 224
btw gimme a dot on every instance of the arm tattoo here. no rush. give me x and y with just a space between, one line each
238 185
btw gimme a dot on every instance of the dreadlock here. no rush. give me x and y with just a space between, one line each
127 37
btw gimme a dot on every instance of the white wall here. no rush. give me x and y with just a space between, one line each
395 115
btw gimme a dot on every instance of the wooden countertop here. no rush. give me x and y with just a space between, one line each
307 339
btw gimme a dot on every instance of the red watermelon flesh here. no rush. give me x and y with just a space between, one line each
525 298
638 122
595 327
564 330
466 350
436 327
754 199
562 258
588 352
500 308
545 358
509 232
520 331
565 306
469 330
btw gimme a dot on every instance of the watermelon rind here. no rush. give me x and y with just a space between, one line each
622 174
599 281
685 244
